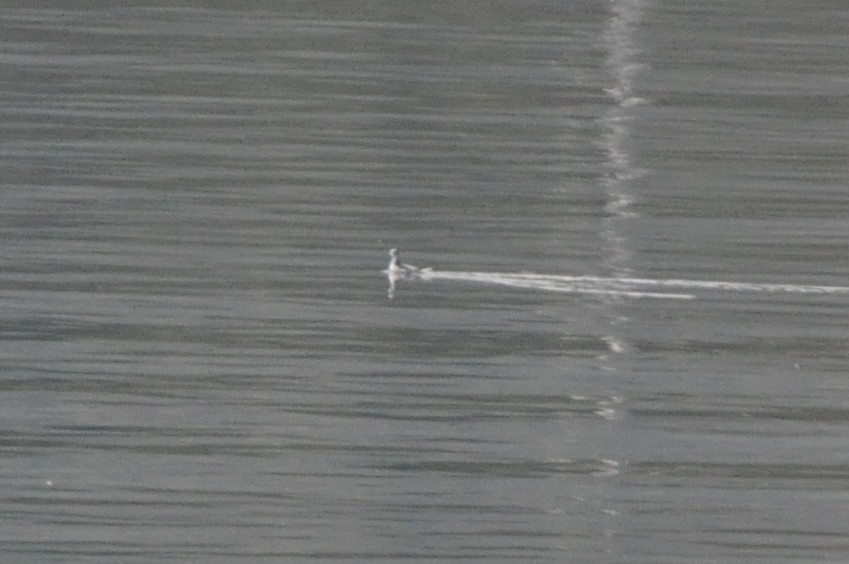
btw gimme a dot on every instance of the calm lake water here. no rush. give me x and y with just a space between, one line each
200 361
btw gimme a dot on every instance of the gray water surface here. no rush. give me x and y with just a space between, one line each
199 361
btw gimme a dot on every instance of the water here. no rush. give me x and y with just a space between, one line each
199 359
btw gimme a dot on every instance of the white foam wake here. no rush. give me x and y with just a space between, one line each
671 289
553 283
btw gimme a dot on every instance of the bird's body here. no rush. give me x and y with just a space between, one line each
399 268
397 271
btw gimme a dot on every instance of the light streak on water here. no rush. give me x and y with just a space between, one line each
670 289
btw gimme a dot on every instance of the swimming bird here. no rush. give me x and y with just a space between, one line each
399 268
397 271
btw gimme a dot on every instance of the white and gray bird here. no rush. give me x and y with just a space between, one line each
399 268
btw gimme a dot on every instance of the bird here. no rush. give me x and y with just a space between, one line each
397 271
399 268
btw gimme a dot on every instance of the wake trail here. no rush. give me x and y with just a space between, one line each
627 287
